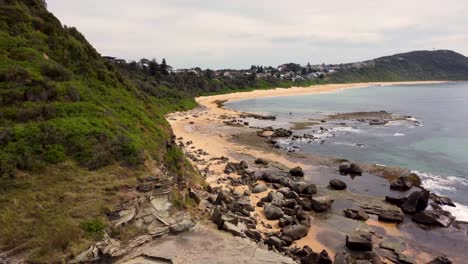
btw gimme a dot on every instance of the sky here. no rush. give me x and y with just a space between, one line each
221 34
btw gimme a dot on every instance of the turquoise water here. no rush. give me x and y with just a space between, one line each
437 149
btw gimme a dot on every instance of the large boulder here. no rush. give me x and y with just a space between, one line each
259 188
297 171
401 184
337 184
272 178
354 169
434 218
295 232
416 202
272 212
321 204
359 241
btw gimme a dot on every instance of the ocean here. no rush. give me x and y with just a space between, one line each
433 142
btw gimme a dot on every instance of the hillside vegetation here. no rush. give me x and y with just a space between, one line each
411 66
74 133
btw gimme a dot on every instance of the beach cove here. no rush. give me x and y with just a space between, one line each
209 135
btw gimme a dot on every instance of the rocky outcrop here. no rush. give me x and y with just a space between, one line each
321 204
416 202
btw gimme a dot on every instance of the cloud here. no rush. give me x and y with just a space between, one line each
236 34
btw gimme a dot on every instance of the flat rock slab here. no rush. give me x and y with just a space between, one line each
203 245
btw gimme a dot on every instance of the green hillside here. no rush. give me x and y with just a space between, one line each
73 132
411 66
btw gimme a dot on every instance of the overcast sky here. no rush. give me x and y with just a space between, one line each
238 33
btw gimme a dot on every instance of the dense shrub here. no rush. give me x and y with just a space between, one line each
54 153
56 72
93 228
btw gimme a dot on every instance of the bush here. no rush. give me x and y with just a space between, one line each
94 228
15 73
56 72
54 153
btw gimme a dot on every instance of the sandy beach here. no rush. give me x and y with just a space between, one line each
205 139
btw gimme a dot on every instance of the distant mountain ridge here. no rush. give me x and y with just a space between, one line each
410 66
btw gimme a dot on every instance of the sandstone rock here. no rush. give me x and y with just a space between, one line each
391 216
295 232
434 218
272 212
350 169
274 241
181 226
398 201
254 235
281 132
354 169
416 202
261 161
356 214
321 204
304 188
401 184
259 188
235 230
359 241
297 171
337 184
441 200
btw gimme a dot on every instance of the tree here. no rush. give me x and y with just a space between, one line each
209 73
153 67
164 67
304 71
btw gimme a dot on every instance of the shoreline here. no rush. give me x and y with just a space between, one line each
212 101
204 129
